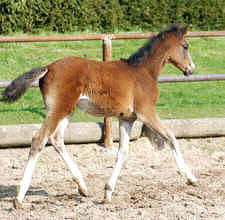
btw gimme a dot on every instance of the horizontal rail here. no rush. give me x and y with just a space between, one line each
79 37
192 78
83 132
149 34
162 79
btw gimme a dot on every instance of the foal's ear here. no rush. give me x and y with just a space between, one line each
184 30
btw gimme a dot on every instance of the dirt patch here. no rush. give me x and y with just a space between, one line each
148 188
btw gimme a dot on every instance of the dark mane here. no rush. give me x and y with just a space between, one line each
142 53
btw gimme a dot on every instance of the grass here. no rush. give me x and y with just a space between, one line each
177 100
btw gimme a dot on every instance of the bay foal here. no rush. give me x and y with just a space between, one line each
125 88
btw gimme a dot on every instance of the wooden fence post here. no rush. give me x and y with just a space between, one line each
107 55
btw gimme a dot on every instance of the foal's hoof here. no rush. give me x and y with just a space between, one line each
17 204
106 201
83 192
191 182
107 197
108 193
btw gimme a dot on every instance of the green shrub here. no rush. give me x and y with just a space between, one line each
108 15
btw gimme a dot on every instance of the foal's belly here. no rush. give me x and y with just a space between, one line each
106 108
85 104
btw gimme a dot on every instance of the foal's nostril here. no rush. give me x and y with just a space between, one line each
188 72
185 73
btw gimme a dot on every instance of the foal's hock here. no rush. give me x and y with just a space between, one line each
125 88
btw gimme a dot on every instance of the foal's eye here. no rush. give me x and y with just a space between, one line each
185 46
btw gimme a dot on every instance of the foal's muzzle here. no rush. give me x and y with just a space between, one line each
188 72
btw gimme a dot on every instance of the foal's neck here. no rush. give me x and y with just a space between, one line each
157 60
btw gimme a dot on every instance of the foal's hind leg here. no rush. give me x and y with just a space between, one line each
154 125
57 140
38 143
183 168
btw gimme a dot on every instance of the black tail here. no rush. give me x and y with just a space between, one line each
19 85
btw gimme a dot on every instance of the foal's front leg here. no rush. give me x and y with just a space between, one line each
125 130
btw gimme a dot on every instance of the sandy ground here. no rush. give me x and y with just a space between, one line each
149 186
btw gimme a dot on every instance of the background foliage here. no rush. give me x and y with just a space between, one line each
108 15
177 100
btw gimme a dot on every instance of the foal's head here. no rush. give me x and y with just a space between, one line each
180 55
